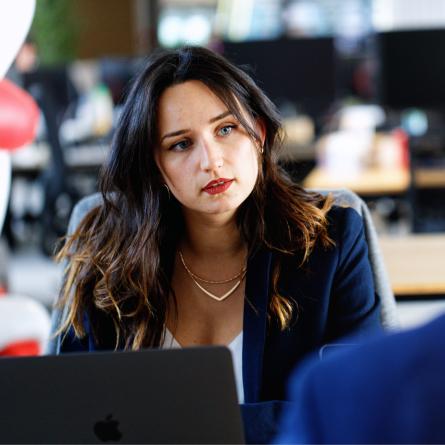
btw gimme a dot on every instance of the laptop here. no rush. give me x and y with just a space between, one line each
152 396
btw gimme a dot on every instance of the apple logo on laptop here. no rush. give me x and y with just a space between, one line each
108 430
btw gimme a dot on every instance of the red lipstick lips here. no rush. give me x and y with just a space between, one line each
217 186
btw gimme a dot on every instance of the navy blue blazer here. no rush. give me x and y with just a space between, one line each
335 295
390 390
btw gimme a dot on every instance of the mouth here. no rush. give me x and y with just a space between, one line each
217 186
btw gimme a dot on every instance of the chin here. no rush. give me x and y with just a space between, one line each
217 206
225 207
219 210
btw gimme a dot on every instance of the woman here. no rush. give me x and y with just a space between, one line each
202 239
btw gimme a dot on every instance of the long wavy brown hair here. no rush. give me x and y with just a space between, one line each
120 257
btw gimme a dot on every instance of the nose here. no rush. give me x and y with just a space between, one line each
211 156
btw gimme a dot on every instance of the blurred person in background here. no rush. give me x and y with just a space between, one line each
201 239
26 61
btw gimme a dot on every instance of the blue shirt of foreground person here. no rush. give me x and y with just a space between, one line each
390 390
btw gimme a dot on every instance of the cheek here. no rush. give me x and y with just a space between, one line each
166 167
176 173
250 162
159 164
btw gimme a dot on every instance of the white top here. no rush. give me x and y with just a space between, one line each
236 348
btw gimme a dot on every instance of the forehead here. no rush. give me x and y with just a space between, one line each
187 103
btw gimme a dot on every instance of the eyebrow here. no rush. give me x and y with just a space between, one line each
211 121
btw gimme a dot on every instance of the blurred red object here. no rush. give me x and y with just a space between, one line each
21 348
24 326
19 116
402 138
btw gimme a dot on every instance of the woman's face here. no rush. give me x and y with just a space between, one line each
205 156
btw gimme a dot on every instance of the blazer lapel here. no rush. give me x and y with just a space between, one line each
255 316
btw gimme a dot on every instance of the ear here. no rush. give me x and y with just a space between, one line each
260 128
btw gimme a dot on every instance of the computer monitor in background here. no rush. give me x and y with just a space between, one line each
412 75
300 71
412 69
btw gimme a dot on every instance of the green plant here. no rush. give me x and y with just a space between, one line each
55 30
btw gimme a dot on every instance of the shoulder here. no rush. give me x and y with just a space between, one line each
346 230
389 378
417 351
344 222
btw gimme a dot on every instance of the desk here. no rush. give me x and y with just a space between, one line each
37 157
429 177
372 181
32 157
415 263
69 180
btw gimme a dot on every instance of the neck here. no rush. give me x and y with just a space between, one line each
212 236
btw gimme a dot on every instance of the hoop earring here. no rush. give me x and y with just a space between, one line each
168 191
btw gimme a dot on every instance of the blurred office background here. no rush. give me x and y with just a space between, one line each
360 85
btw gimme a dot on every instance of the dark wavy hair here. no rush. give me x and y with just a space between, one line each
120 257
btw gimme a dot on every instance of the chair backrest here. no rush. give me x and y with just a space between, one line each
343 197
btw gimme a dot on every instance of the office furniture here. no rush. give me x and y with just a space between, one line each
54 92
416 264
428 209
81 166
417 94
433 177
34 158
427 193
371 181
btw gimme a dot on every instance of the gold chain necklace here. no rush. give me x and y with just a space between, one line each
208 281
241 274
